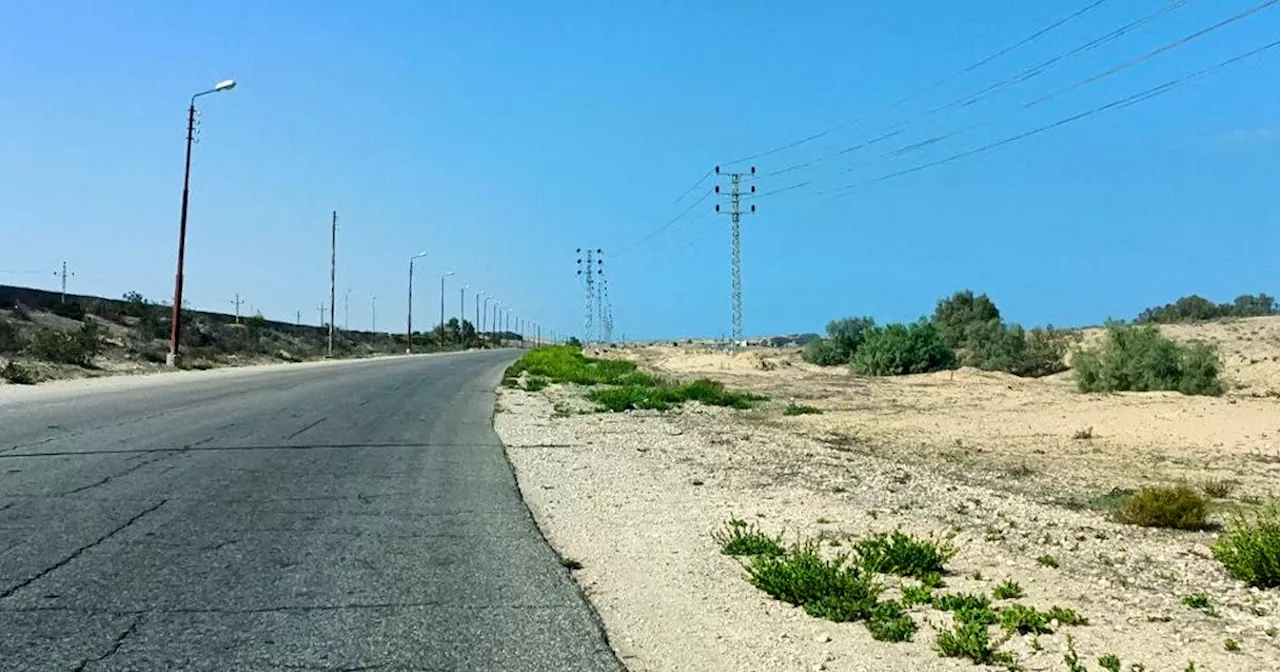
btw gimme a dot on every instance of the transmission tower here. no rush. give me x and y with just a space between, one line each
606 309
735 214
588 273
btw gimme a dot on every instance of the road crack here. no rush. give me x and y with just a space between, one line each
79 551
115 646
112 477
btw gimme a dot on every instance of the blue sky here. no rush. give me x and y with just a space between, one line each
500 136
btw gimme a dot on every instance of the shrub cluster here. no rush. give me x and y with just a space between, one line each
1250 549
1179 507
11 340
77 347
1196 308
1139 358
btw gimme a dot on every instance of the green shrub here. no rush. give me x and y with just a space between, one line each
11 340
535 383
77 347
793 409
961 602
1109 662
889 623
1179 507
899 349
955 315
573 342
1045 354
903 554
738 538
19 375
1024 620
1067 616
563 364
1047 560
830 589
1007 590
1250 548
844 337
913 595
1139 358
712 393
71 310
1197 309
972 641
629 397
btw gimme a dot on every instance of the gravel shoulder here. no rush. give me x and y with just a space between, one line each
635 497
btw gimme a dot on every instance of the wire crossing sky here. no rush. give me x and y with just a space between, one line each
1077 160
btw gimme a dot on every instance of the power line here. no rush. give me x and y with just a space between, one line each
1121 103
668 224
928 142
972 98
941 82
693 186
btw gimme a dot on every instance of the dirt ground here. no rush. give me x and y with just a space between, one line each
1008 466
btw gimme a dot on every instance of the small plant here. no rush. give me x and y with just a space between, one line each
1218 488
1025 620
793 409
913 595
535 383
1071 658
888 623
18 374
960 601
830 589
972 641
1009 590
1065 616
1250 548
1048 561
570 564
932 580
1198 601
1178 507
1109 662
739 539
1231 645
977 576
902 554
1083 434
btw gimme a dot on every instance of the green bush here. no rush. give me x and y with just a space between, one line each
902 554
899 349
564 364
1024 620
11 340
712 393
18 375
1007 590
661 397
955 315
1250 548
738 539
830 589
793 409
1139 358
889 623
629 397
77 347
844 337
535 383
972 641
71 310
1196 308
1179 507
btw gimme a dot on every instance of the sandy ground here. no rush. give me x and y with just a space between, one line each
987 457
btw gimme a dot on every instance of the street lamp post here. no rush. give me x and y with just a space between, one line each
408 348
442 277
497 308
373 315
462 314
476 325
175 333
484 313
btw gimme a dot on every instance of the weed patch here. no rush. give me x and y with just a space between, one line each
1200 601
1047 560
1025 620
793 409
535 383
1008 590
889 623
18 374
972 641
1178 507
913 595
1250 548
738 538
903 554
830 589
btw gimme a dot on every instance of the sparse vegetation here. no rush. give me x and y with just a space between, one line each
740 539
1008 590
1200 601
904 555
18 375
662 397
913 595
1178 507
570 563
535 383
793 409
889 623
1085 434
1138 358
1231 645
1250 548
832 589
972 641
11 338
77 347
1218 488
1196 308
1048 561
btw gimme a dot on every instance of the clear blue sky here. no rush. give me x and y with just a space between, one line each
500 136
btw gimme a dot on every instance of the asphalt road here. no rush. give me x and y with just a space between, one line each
353 516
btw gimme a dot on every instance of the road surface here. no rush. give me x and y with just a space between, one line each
347 516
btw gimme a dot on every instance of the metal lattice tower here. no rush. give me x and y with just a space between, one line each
588 273
606 309
735 215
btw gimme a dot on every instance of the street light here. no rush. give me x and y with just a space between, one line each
476 326
442 277
484 315
175 332
462 314
408 349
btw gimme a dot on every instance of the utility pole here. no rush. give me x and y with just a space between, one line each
589 273
237 302
373 316
606 308
476 325
64 280
462 313
408 349
735 215
322 314
333 277
346 310
298 318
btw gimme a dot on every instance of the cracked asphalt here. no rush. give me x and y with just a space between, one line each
351 516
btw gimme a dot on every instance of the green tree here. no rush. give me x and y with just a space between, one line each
1140 358
844 337
953 315
899 349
